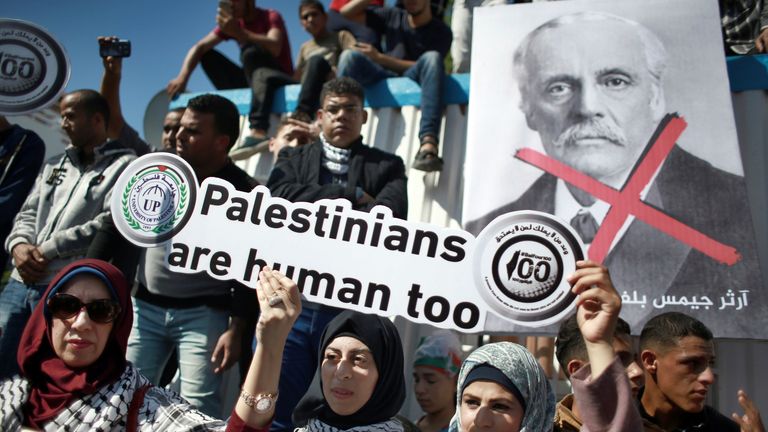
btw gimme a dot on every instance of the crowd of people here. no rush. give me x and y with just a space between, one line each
91 326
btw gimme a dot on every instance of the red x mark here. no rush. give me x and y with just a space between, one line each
627 201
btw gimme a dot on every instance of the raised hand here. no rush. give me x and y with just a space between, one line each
598 303
280 304
750 421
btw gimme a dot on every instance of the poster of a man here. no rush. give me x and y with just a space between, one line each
595 86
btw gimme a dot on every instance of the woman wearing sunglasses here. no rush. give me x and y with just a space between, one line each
74 375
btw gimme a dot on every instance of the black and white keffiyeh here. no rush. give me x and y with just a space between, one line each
335 160
316 425
107 409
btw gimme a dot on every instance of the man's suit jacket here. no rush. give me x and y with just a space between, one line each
701 196
296 177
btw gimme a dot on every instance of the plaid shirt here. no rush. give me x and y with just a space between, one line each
742 22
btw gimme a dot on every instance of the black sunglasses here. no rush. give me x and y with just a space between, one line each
65 306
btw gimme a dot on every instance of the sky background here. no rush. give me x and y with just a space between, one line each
161 32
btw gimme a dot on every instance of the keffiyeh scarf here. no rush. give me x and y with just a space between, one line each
316 425
107 409
335 160
524 371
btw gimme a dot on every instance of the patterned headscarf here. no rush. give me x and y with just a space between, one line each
524 371
54 384
441 351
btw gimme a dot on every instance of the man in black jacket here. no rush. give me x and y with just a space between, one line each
337 165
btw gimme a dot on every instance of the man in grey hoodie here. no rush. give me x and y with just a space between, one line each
67 205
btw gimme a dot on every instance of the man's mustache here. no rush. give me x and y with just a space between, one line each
591 129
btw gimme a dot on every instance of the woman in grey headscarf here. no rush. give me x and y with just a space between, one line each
502 385
503 389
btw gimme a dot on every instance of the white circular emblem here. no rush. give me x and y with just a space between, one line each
152 198
34 68
522 261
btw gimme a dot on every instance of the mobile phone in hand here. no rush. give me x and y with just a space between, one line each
115 48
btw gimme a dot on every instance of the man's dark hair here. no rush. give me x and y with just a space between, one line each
284 121
311 3
666 330
343 86
226 118
92 102
570 344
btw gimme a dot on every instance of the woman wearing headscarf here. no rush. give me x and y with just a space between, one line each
359 385
435 370
74 375
502 388
502 385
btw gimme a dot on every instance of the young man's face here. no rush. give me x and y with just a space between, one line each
313 20
683 373
171 125
622 346
197 141
288 136
341 118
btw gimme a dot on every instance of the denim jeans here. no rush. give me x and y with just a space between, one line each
17 301
193 332
260 72
315 74
428 72
300 362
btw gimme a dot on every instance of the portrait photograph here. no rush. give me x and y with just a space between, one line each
606 115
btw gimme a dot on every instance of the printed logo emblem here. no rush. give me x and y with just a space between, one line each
34 68
522 261
156 193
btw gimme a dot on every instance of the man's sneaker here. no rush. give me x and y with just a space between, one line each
249 147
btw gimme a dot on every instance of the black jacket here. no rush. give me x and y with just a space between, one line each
296 177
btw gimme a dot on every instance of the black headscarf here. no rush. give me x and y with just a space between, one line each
381 337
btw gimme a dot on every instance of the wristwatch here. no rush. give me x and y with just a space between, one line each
262 403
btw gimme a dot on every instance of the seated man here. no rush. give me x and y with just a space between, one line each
677 353
318 57
264 52
338 165
315 65
572 355
416 44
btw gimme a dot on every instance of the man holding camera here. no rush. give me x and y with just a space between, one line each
264 51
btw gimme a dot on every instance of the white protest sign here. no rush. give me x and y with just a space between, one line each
370 262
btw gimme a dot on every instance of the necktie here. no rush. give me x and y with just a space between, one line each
585 225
